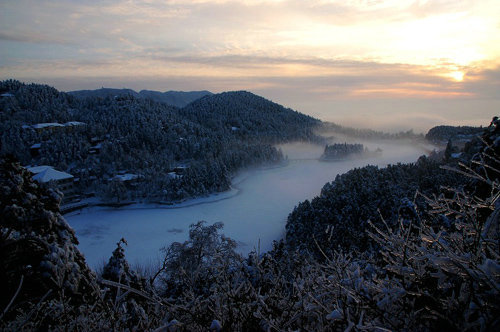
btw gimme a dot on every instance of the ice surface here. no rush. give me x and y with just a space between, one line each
256 208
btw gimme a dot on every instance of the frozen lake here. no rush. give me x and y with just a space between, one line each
256 209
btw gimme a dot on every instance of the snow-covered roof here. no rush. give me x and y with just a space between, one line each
174 175
74 123
55 124
46 125
46 173
126 177
6 94
38 169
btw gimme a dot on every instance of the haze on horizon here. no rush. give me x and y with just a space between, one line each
390 65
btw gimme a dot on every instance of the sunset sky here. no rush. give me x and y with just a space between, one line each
390 65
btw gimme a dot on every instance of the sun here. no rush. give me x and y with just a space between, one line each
457 76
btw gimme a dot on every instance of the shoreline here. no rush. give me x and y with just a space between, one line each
233 191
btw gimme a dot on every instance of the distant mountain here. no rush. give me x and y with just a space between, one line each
173 98
103 93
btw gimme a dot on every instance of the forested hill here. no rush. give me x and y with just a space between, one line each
250 116
173 98
205 143
386 196
441 134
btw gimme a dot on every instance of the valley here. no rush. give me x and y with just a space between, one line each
254 210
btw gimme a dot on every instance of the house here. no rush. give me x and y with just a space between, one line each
47 126
128 179
96 149
74 124
49 176
174 175
177 171
180 170
71 125
96 140
35 149
51 126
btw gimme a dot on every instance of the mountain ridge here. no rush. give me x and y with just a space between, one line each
147 138
170 97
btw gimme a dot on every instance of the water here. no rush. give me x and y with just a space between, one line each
255 210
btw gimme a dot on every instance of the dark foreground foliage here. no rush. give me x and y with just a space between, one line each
340 214
431 268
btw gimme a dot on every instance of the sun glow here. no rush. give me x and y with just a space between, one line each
457 75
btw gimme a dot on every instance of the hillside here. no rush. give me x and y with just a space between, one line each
369 194
250 117
169 153
442 134
384 196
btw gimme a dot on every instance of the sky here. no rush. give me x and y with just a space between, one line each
383 64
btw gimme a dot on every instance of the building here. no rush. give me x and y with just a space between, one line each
49 126
35 149
52 126
96 149
48 175
130 180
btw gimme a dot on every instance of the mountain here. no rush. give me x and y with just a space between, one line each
169 153
103 93
249 116
173 98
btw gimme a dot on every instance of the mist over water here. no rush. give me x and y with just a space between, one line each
256 209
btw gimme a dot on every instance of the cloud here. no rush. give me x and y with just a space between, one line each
320 78
484 82
312 55
289 28
32 37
